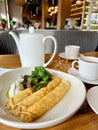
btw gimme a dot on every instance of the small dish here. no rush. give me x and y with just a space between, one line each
75 72
92 96
62 55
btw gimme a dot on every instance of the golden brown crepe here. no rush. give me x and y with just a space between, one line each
19 97
25 98
43 105
30 100
28 106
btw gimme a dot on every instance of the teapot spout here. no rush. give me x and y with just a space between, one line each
16 38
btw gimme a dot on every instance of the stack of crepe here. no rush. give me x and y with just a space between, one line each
28 107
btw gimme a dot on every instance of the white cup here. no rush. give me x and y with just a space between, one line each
88 67
72 51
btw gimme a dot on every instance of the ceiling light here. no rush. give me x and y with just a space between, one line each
78 2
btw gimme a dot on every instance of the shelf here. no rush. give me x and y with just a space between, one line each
76 14
90 19
94 25
93 30
85 19
77 9
84 25
95 13
86 13
88 0
87 7
76 4
76 19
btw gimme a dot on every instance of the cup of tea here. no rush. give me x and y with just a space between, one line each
72 52
87 67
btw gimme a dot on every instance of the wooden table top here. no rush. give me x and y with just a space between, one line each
84 118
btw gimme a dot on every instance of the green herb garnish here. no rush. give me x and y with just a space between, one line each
38 78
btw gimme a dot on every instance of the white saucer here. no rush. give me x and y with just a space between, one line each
92 96
62 55
75 72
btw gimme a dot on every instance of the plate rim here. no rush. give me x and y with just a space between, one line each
29 126
89 102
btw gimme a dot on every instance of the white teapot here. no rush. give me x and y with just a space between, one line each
31 48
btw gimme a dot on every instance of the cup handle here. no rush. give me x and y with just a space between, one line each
73 63
55 48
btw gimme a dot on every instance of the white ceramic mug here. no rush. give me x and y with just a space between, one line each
72 51
88 67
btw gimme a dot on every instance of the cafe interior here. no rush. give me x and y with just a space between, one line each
57 38
51 14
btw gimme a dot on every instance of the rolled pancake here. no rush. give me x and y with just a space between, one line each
47 102
19 97
22 102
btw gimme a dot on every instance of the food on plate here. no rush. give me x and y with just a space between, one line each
26 98
35 81
19 97
43 105
32 102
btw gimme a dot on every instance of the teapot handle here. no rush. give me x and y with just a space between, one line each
55 48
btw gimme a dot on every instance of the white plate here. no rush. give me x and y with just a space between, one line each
3 70
62 55
92 96
75 72
67 107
